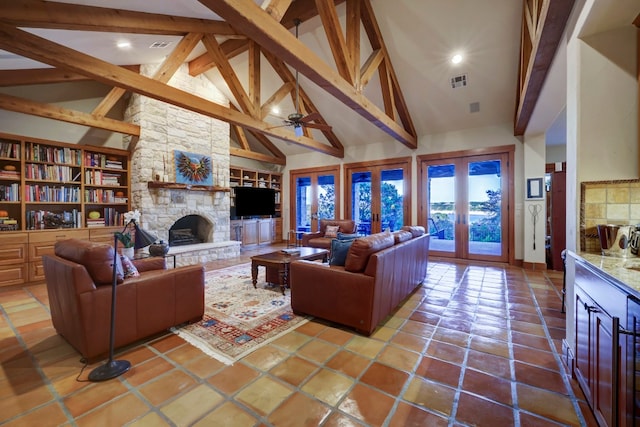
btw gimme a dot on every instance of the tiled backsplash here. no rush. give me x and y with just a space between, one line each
606 202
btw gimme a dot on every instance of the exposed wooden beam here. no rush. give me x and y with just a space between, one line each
299 9
353 39
20 105
243 141
240 137
42 50
374 34
254 75
238 152
163 74
369 67
277 8
36 76
284 90
272 36
46 14
551 18
337 42
229 75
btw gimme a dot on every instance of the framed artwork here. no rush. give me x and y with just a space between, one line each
193 168
535 188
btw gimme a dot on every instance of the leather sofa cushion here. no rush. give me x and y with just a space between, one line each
415 230
344 225
402 236
339 250
363 247
97 258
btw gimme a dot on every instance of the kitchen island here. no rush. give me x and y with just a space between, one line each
603 330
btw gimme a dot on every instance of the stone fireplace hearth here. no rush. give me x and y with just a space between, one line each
165 129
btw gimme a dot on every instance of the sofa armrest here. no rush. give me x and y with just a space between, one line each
308 236
151 263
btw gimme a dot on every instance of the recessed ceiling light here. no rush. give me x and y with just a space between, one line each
275 110
456 59
124 44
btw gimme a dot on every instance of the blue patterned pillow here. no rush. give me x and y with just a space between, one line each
346 236
339 249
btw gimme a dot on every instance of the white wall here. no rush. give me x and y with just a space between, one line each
534 210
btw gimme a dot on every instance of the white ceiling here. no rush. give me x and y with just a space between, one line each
420 35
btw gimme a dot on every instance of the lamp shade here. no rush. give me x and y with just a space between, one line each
143 238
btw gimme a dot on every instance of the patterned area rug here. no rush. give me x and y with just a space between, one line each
239 319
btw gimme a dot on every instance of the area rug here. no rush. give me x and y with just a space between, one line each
239 319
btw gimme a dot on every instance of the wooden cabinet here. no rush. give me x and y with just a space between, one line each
600 318
253 231
43 243
13 259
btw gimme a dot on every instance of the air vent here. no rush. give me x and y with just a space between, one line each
474 107
459 81
159 45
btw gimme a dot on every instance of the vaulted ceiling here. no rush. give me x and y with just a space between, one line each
369 70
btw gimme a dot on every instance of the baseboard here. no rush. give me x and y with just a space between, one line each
567 357
534 265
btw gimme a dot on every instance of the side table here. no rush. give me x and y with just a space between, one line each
154 256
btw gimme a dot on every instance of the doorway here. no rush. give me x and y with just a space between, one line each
464 202
315 195
378 194
555 242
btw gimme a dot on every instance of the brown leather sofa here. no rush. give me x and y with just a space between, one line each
317 239
380 271
79 278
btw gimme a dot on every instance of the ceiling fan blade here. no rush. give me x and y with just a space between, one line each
311 117
320 126
279 126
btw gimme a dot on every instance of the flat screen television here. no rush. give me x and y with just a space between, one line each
254 201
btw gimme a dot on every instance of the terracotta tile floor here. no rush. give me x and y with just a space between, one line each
476 345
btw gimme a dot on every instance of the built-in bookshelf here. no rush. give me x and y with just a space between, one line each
48 184
255 178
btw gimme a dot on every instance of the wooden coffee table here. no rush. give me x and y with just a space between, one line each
277 263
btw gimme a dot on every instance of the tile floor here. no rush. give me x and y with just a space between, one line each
476 345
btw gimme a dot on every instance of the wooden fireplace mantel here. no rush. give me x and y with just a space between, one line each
189 187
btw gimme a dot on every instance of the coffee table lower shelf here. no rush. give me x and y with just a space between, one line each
277 264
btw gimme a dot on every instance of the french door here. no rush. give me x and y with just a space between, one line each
378 194
315 194
464 201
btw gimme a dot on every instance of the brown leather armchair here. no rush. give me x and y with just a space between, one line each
318 240
79 278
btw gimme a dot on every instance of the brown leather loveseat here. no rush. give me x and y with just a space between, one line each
79 278
320 239
379 272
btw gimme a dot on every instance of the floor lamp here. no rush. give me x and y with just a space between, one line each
113 368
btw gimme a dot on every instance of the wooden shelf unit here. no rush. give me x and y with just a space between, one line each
47 190
244 177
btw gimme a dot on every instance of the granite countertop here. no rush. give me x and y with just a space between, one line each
624 270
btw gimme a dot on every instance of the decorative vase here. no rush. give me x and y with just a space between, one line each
128 252
159 249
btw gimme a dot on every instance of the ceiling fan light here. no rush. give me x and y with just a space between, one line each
297 130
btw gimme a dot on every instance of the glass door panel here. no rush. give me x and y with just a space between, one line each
378 195
441 206
392 199
314 196
484 208
303 204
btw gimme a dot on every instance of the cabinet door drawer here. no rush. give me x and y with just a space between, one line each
57 234
12 254
36 271
15 274
37 250
103 234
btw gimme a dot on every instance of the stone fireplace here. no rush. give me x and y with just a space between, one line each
165 129
190 230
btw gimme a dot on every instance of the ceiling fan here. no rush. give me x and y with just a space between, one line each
297 119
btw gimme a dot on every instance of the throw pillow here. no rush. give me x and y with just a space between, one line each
347 236
130 270
339 250
331 231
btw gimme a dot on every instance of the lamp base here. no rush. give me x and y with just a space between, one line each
111 369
